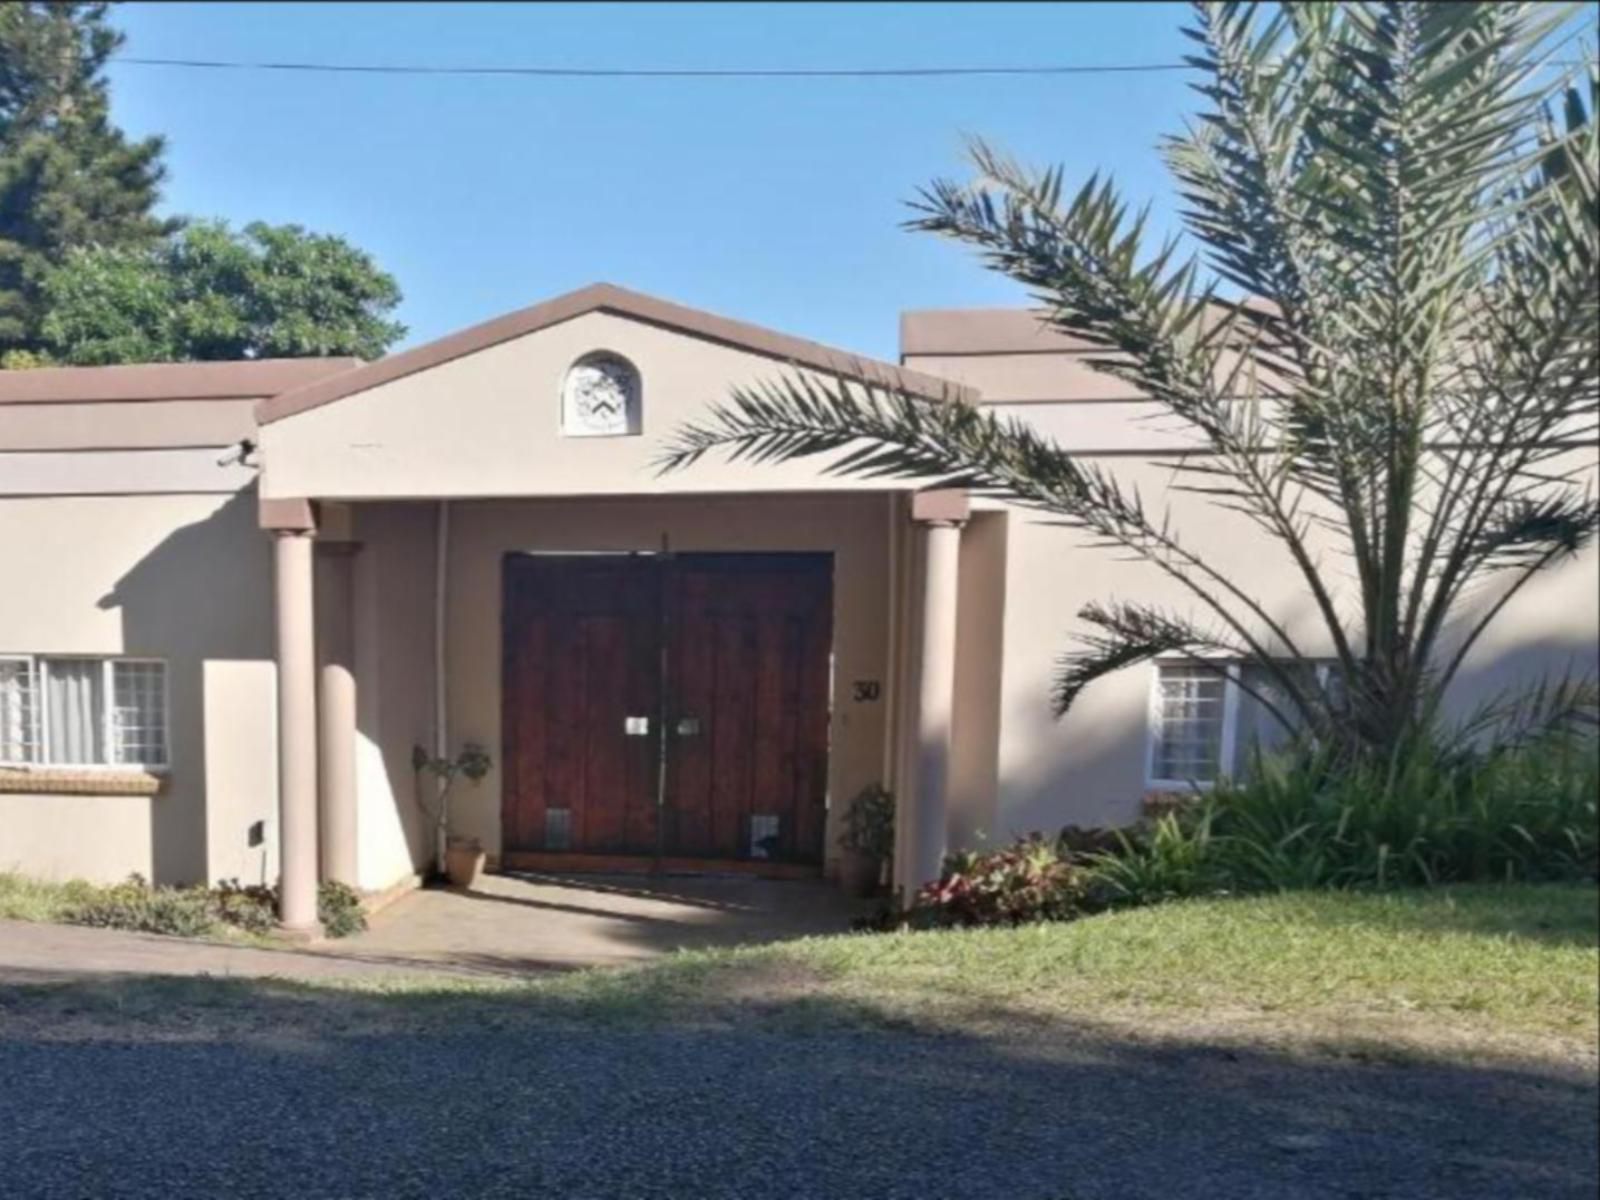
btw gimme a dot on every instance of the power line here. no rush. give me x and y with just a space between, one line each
651 72
219 64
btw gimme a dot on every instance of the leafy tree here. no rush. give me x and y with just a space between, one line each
68 176
268 291
1417 237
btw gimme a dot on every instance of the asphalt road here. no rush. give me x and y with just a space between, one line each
606 1111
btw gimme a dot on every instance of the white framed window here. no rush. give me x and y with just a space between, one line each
1206 719
79 711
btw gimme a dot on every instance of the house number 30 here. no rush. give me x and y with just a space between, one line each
866 690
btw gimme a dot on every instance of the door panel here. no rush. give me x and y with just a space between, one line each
581 655
748 654
747 645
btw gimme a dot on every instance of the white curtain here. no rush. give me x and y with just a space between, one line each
16 711
74 708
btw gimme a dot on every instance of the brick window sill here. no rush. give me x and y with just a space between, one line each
74 781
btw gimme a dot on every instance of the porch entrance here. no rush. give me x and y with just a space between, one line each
667 709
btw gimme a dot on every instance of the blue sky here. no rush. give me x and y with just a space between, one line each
776 201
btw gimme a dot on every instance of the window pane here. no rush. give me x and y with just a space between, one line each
18 715
1256 725
74 704
139 713
1189 723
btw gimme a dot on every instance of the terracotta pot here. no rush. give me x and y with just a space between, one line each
463 862
860 874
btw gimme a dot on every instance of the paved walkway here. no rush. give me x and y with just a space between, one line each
504 926
39 953
511 924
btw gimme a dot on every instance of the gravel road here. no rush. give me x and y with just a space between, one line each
574 1111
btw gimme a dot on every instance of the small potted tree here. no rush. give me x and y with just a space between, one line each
867 841
460 860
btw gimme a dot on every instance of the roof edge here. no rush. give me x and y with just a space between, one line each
606 297
951 331
236 379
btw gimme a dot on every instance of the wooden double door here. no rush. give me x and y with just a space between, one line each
666 707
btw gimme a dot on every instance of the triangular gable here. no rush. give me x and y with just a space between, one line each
605 297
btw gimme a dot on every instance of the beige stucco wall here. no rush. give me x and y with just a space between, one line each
854 528
393 601
184 578
241 764
1090 768
979 678
488 424
103 839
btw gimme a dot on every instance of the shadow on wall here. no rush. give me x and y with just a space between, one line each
203 593
1096 769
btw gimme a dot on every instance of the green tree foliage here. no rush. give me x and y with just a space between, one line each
68 176
1409 196
210 292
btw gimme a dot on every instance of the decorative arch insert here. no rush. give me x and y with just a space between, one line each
600 397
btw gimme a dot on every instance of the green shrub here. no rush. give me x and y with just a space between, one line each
250 907
201 912
339 909
1169 857
254 907
869 822
1032 880
135 905
1525 814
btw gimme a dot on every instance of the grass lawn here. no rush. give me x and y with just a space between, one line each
25 899
1491 971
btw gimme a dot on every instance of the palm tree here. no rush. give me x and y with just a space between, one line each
1387 339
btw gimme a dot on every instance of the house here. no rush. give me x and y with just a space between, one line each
237 596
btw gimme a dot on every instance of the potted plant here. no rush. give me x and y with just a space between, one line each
867 841
463 861
459 859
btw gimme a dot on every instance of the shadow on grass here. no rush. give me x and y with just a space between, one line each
703 1084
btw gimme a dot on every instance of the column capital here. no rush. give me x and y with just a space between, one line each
290 515
941 506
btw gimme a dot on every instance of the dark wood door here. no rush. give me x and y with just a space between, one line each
747 730
732 651
582 638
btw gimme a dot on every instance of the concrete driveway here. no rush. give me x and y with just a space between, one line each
511 924
505 926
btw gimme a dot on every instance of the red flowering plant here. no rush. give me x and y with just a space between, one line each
1030 880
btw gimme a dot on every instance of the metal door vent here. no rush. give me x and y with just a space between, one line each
558 829
763 835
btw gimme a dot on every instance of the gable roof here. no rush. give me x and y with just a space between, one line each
945 331
240 380
605 297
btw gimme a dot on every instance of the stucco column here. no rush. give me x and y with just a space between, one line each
336 712
939 516
297 731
